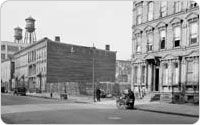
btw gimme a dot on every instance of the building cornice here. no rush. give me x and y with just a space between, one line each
167 16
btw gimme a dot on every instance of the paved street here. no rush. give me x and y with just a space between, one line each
25 110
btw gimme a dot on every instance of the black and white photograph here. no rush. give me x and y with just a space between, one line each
99 62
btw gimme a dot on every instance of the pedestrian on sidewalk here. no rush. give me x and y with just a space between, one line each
98 94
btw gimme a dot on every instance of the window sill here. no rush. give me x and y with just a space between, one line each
178 47
149 51
194 44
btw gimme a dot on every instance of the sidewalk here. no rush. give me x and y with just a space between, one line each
159 107
174 109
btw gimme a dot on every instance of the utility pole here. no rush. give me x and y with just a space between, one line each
40 77
93 82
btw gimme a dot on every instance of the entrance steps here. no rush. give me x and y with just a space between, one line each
150 97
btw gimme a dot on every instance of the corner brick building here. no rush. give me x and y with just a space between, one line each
52 66
165 56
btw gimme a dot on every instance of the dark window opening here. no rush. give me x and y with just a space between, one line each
149 47
193 40
193 4
162 44
3 47
3 56
177 43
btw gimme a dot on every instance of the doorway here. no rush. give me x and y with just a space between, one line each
157 79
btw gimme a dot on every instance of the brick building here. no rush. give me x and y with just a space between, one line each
165 56
52 66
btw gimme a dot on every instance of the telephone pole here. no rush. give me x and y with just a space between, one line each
93 82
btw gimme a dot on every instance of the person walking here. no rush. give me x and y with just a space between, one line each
98 94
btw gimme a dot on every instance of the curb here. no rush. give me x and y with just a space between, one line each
172 113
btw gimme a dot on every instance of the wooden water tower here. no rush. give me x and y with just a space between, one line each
30 36
18 35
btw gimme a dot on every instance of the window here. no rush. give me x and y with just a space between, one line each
13 48
177 6
190 71
143 74
177 33
175 74
135 74
162 39
193 32
150 11
149 41
163 8
138 44
3 47
3 56
193 4
139 15
165 74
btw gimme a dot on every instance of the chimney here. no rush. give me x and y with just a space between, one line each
57 38
108 47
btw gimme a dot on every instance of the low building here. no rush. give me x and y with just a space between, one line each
52 66
9 48
7 74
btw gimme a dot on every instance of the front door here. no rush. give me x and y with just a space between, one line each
156 79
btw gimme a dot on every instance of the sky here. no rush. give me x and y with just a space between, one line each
76 22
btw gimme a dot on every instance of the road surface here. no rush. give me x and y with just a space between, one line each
31 110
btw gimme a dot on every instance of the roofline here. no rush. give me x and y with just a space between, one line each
49 40
37 42
123 60
83 46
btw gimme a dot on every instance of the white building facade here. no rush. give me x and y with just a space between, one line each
165 56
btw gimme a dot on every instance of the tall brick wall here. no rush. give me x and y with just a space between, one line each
74 63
